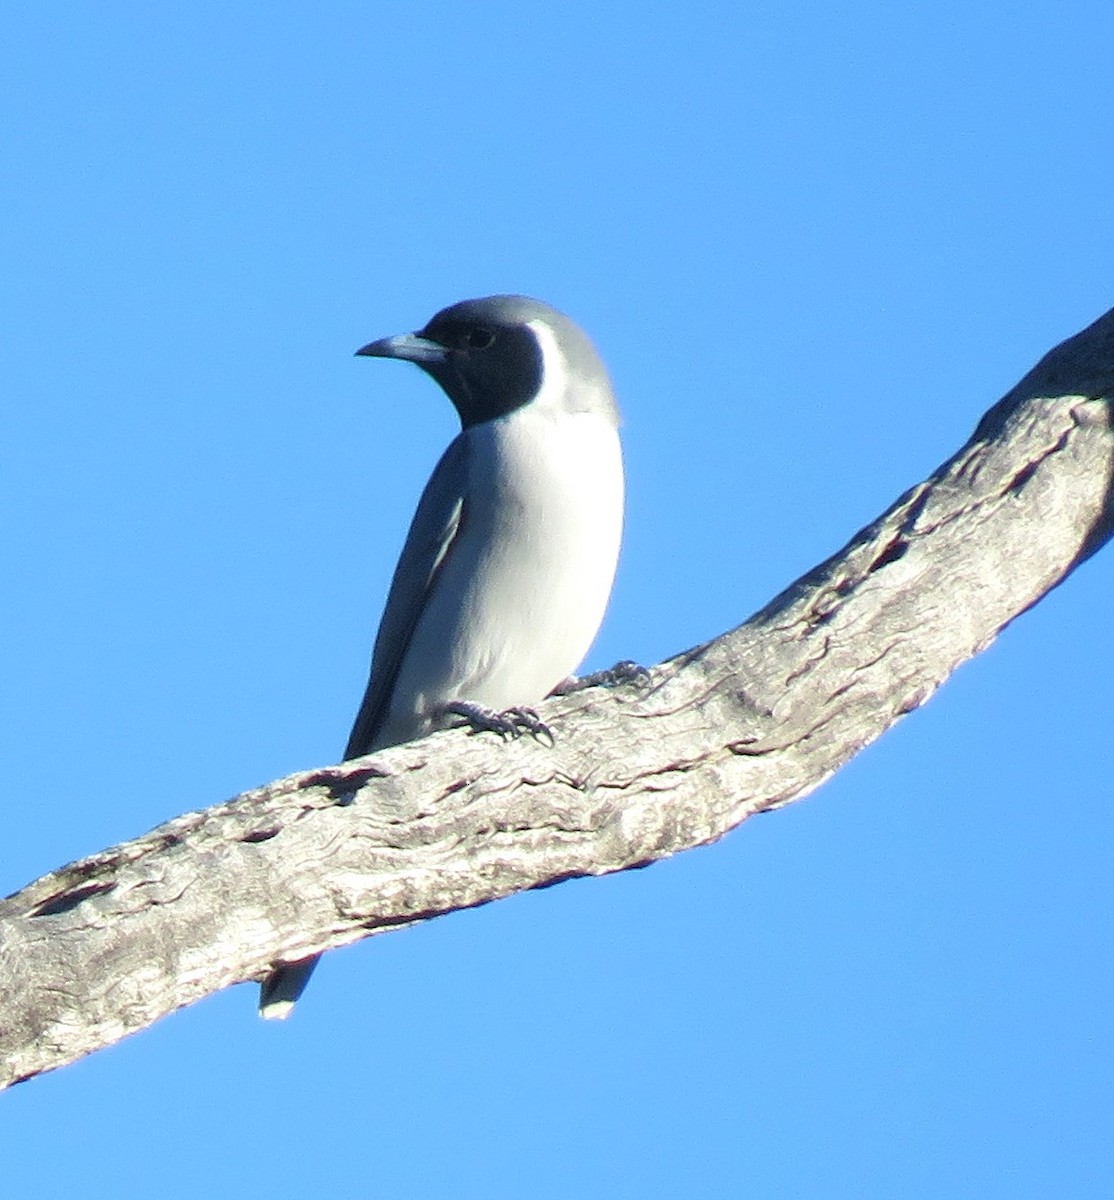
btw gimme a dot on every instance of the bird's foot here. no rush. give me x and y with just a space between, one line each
621 673
511 723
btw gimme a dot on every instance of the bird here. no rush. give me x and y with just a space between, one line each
508 566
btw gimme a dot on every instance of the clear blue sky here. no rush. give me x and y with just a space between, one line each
814 243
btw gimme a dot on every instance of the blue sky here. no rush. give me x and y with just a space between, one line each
814 243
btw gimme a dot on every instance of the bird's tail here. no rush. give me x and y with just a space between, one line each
283 986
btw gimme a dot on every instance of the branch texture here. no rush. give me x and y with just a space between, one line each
751 721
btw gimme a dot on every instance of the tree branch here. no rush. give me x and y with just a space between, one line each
748 722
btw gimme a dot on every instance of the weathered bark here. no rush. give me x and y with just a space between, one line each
751 721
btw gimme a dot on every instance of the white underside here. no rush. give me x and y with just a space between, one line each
523 590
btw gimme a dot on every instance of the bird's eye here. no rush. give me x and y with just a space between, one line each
479 338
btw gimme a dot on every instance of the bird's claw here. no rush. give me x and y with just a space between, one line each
627 671
509 724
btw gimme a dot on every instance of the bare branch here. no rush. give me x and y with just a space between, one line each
751 721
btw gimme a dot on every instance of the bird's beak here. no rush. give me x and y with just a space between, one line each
410 347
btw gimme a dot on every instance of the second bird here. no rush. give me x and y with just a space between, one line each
507 569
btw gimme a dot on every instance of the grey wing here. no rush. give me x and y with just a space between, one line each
432 532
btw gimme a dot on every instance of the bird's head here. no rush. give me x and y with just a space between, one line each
498 354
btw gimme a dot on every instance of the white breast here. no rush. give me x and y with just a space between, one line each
523 590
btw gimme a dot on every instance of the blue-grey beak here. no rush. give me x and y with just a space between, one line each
409 347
